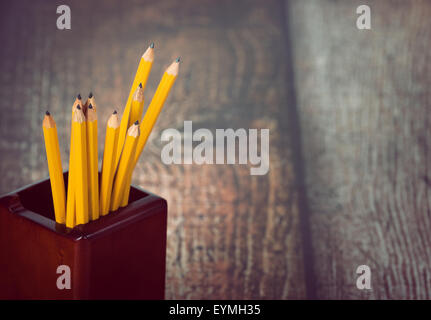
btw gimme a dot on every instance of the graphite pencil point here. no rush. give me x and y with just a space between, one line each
152 45
47 113
79 96
90 95
178 59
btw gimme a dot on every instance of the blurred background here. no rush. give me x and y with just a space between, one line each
349 166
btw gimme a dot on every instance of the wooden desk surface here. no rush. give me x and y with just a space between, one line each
363 100
348 181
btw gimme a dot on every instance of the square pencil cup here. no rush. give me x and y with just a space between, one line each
119 256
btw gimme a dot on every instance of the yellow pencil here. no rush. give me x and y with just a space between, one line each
150 118
89 101
77 102
71 201
108 164
125 165
80 165
93 164
55 169
137 105
71 197
141 77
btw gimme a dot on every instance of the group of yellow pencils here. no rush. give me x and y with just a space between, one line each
88 195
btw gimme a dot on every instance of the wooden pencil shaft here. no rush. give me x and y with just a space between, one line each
71 202
93 165
124 167
81 188
55 169
126 192
108 164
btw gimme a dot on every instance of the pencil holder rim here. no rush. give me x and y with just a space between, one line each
144 206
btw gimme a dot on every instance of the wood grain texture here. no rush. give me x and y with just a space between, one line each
230 235
363 99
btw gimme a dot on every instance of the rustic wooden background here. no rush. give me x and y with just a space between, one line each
363 98
349 178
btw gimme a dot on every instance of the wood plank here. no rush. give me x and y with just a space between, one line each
362 99
230 235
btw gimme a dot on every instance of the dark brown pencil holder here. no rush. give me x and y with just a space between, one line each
119 256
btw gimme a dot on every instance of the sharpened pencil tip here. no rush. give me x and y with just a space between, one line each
152 45
47 113
78 107
90 106
140 85
115 112
90 95
79 96
178 59
136 122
